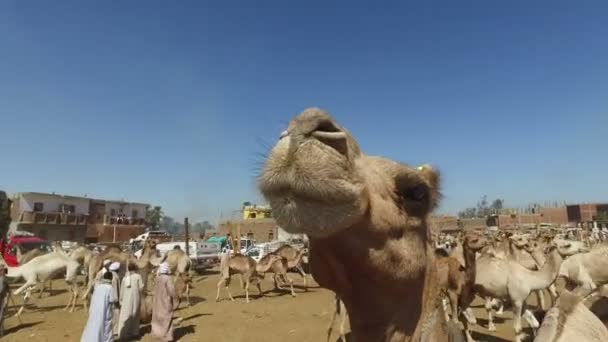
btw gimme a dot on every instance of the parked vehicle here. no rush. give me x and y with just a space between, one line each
26 241
203 254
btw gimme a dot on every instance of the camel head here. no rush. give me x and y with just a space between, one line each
518 240
569 247
318 182
475 242
366 218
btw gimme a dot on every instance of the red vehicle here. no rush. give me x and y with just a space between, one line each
8 249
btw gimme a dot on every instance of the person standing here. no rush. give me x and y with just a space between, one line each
130 297
99 324
165 303
114 268
4 296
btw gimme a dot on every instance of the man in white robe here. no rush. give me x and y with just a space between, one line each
99 324
130 297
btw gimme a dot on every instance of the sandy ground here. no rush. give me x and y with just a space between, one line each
276 317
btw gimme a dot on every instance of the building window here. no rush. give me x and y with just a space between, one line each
38 206
252 215
112 212
67 208
270 236
134 213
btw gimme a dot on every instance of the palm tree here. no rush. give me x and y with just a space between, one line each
154 217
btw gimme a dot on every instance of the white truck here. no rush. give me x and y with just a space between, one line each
203 254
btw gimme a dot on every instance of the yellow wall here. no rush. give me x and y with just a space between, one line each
252 213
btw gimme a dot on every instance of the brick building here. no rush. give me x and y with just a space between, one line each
262 230
73 218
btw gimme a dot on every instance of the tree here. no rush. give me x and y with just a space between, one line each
482 207
497 205
154 217
202 227
468 213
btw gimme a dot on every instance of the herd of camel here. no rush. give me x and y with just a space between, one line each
370 243
38 267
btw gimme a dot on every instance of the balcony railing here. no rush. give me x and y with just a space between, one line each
125 221
52 218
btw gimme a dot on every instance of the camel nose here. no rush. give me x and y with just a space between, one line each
316 123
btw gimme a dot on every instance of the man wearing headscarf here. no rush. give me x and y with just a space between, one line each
128 319
99 324
114 268
165 303
104 269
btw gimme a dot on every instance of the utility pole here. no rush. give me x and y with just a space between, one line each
186 227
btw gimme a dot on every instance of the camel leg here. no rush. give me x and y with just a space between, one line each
333 319
454 305
188 295
445 303
259 286
343 323
529 317
517 311
247 290
25 299
488 306
553 293
540 299
293 294
278 282
303 274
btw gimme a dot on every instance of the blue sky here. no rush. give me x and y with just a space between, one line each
172 103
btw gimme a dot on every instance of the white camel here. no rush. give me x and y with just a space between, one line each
585 268
570 320
42 268
507 279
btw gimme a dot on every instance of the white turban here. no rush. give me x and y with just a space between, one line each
164 268
115 266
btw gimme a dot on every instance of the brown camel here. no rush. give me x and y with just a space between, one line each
247 268
142 265
367 220
459 281
180 265
294 259
279 267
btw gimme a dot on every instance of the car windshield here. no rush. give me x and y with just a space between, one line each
28 246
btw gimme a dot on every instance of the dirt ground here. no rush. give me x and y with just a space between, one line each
276 317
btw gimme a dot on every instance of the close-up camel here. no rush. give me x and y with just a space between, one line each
570 320
364 215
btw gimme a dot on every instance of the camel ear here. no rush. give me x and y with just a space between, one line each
432 177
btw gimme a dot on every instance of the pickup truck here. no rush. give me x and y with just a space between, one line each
203 254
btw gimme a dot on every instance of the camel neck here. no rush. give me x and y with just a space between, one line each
470 261
386 305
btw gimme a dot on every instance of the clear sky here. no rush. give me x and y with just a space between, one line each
172 103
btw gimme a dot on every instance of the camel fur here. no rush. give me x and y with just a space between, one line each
363 215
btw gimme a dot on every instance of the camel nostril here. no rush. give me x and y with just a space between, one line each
326 125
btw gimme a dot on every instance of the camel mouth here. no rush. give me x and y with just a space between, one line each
311 172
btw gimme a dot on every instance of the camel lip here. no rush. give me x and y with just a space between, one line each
329 135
